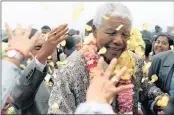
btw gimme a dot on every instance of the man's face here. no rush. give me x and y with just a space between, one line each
114 41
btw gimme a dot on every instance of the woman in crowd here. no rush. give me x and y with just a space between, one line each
73 78
162 43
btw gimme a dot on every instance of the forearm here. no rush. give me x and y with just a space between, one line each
26 88
10 73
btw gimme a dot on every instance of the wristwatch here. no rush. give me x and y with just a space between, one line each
14 54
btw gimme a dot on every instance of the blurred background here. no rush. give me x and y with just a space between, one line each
55 13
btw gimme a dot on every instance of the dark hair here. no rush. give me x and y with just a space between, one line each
148 47
70 43
33 31
164 35
45 27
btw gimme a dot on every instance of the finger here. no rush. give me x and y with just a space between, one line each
62 33
64 37
28 32
122 88
116 78
18 30
57 30
36 37
100 64
9 31
110 68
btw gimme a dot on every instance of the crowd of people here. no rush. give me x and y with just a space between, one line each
56 71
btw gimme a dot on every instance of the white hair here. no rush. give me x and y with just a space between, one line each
111 9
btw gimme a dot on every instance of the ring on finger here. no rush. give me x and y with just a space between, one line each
55 33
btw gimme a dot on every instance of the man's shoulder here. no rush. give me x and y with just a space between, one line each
74 63
163 55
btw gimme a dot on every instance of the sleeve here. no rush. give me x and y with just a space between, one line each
150 89
94 108
61 100
27 85
40 66
10 73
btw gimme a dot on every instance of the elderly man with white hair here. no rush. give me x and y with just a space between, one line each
111 29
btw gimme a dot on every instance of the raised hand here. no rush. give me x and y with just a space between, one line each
54 38
103 87
21 41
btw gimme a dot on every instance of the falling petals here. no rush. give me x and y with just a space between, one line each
106 17
88 28
119 27
102 51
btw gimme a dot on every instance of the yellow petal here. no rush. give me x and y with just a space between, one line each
106 17
51 64
119 27
146 67
22 66
163 102
28 61
76 13
144 79
11 110
145 26
102 51
172 32
127 75
88 28
55 106
154 78
63 43
50 70
81 7
139 51
60 63
49 57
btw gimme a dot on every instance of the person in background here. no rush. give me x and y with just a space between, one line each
70 46
161 43
145 33
158 30
148 49
78 41
45 29
16 52
30 94
163 66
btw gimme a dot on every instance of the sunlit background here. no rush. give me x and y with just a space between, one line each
55 13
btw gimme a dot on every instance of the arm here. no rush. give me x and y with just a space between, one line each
10 73
94 108
70 86
150 91
26 87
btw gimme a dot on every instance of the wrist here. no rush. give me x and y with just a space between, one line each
41 59
20 52
12 60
